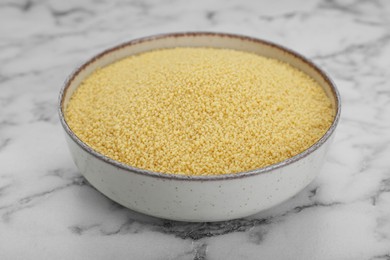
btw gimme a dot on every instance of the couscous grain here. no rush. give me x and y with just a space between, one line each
199 111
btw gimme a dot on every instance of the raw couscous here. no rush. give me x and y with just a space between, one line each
199 111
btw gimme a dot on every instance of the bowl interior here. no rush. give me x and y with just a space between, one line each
214 40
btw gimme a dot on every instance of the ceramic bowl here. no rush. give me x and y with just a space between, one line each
198 198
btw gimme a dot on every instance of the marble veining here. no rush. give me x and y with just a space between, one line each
49 211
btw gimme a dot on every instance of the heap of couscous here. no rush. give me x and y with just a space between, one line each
199 111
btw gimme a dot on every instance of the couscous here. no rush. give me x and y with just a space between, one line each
199 111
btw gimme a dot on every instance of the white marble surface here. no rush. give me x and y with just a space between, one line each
48 211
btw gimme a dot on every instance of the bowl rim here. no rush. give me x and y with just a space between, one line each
216 177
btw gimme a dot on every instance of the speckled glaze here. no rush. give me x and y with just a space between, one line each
199 198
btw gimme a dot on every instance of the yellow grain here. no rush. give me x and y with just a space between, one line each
199 111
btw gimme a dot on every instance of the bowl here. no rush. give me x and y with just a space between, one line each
199 198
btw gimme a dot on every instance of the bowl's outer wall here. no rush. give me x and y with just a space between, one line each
196 200
183 200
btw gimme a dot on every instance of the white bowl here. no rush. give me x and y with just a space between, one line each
198 198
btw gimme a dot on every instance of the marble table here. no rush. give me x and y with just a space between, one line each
49 211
